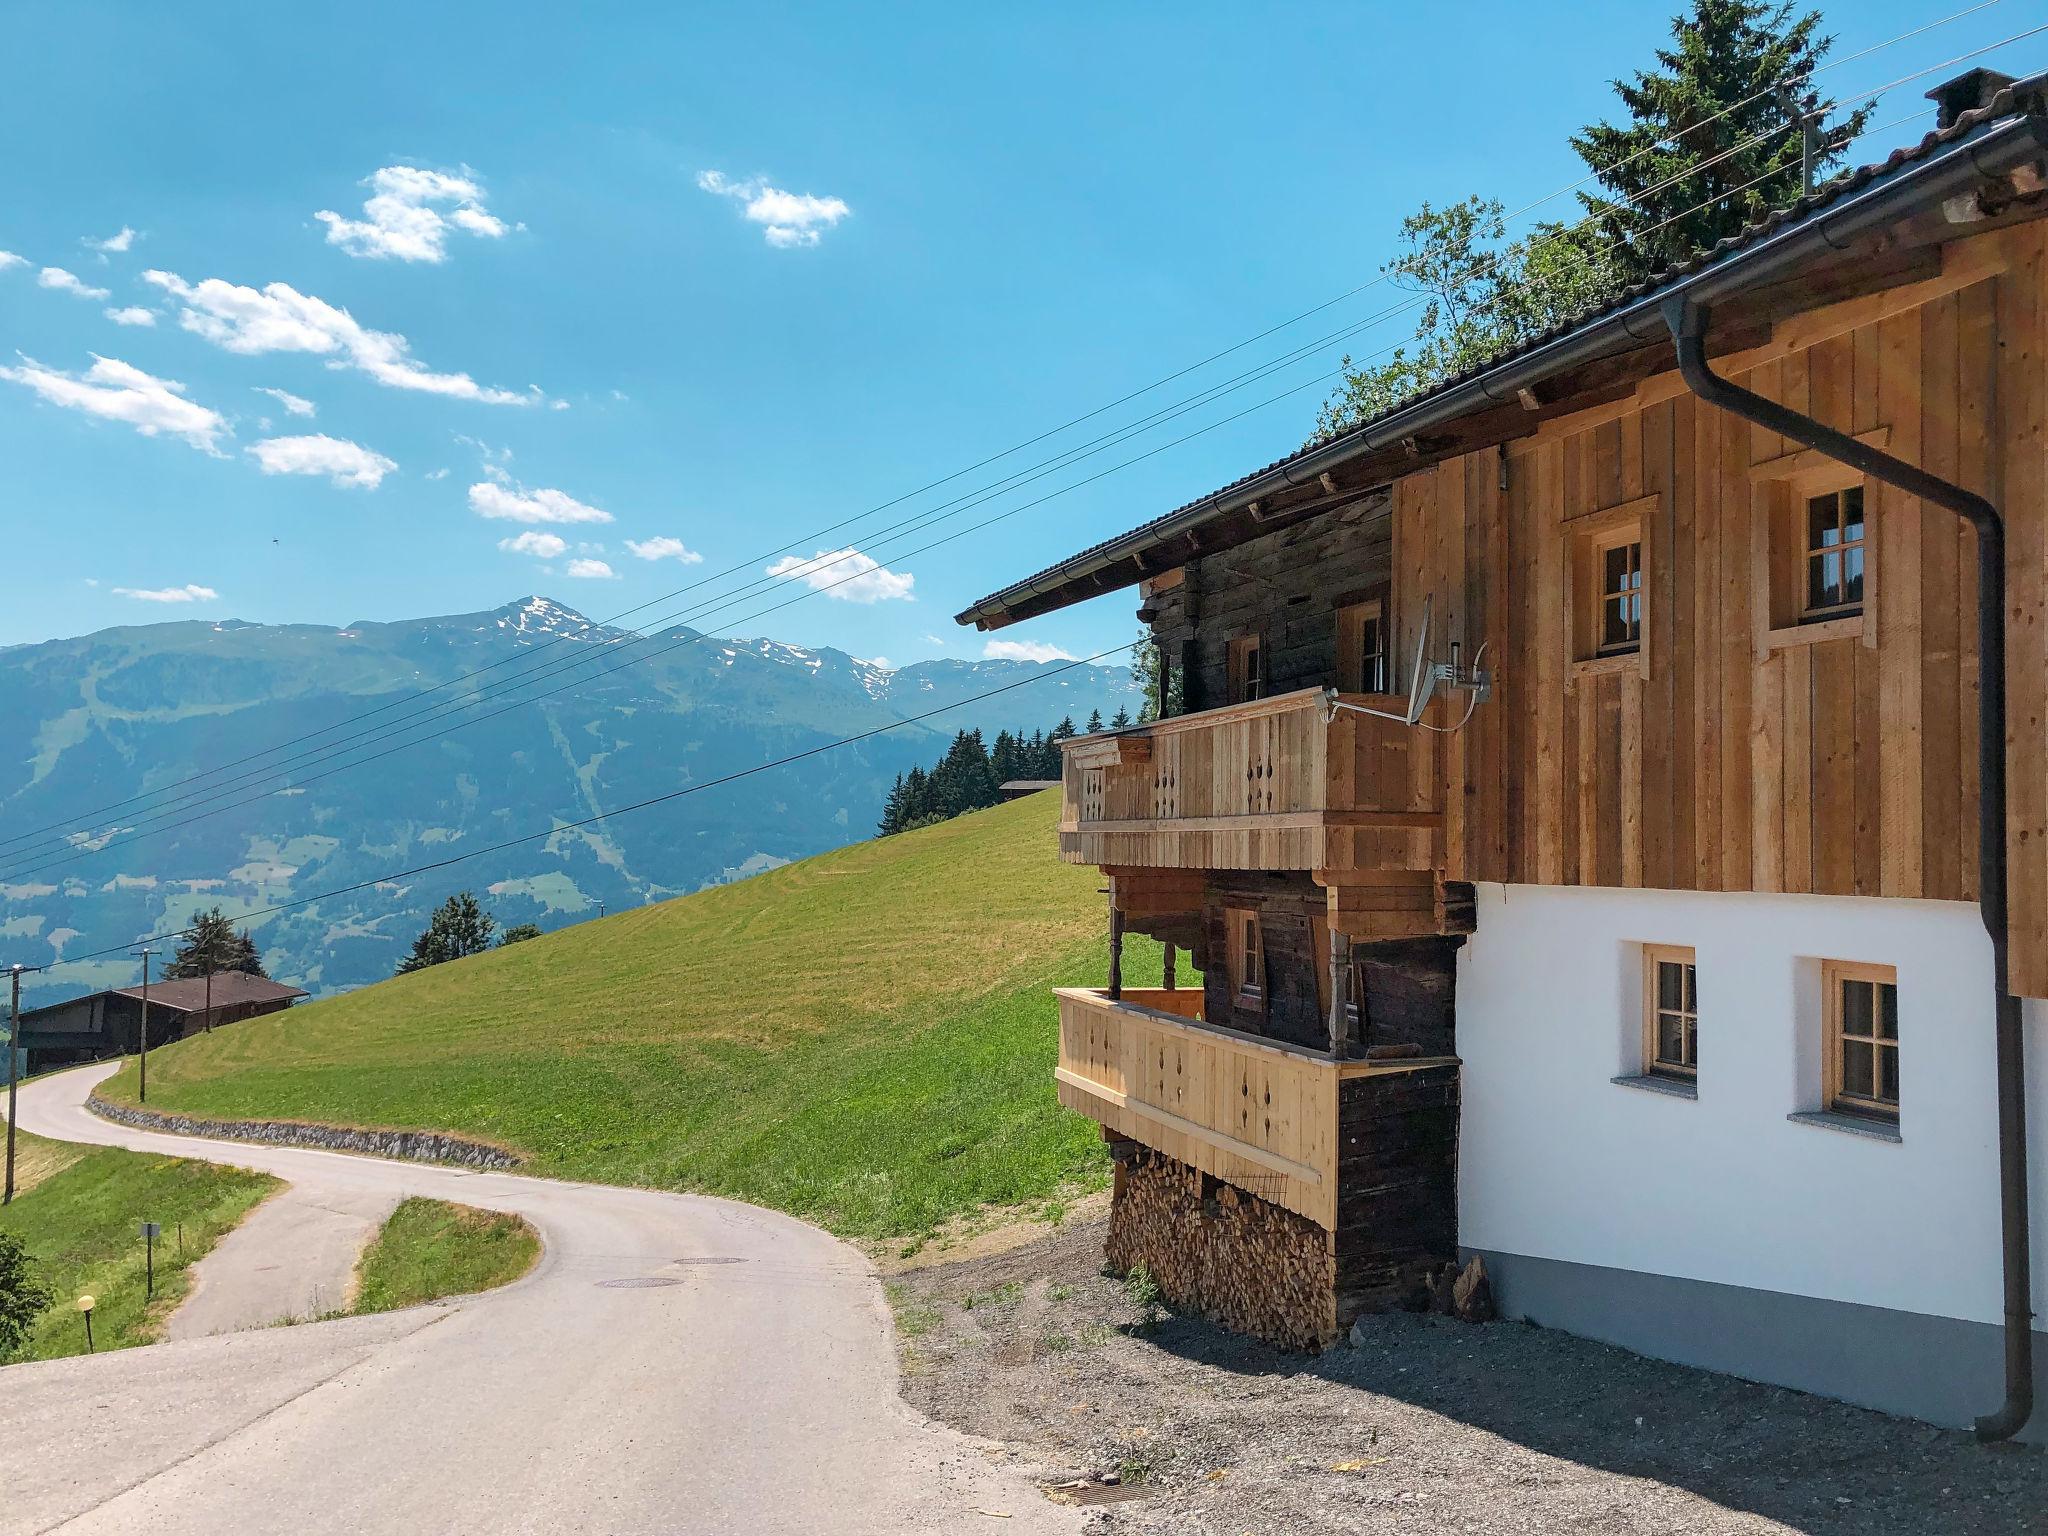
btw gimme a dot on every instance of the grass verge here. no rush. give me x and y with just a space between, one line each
864 1039
80 1220
428 1249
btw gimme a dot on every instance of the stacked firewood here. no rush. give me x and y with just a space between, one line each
1211 1248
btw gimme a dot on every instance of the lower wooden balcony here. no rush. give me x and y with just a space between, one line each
1279 783
1254 1113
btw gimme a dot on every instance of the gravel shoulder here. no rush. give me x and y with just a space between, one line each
1430 1426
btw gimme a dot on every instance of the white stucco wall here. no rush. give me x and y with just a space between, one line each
1559 1162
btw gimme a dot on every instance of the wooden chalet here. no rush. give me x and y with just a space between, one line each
103 1024
1574 815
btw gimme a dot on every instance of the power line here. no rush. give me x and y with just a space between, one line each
625 810
86 816
218 793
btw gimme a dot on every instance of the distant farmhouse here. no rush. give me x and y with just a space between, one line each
105 1024
1590 820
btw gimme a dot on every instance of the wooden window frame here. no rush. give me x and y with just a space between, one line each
1781 488
1242 679
1656 956
1589 536
1835 1096
1351 620
1245 942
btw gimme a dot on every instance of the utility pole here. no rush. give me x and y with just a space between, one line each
13 1070
142 1039
209 994
1807 120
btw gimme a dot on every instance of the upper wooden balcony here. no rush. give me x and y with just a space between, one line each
1277 783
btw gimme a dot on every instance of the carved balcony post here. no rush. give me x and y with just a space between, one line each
1116 953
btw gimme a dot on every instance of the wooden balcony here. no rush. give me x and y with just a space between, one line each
1274 784
1254 1113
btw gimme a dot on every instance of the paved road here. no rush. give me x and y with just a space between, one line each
673 1364
291 1259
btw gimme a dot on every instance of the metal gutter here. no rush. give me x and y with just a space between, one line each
1687 323
1986 153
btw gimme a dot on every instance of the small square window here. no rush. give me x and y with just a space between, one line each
1834 556
1671 1012
1607 600
1862 1022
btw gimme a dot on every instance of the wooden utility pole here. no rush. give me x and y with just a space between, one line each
13 1073
142 1037
209 995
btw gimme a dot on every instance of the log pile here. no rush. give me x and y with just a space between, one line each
1211 1248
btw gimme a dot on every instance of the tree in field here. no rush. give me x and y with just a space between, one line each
458 927
1699 175
212 944
22 1296
518 933
1481 294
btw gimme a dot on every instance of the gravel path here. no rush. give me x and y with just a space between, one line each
1432 1426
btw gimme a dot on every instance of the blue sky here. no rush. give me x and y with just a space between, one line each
661 285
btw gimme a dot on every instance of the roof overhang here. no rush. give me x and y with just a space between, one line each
1870 229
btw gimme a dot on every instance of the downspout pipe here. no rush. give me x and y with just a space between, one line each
1687 321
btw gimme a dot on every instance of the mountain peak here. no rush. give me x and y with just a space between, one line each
534 614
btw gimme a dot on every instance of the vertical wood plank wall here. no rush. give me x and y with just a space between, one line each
1837 767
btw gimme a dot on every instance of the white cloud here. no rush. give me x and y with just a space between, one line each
341 461
588 568
664 548
438 474
788 219
847 575
192 592
9 259
132 314
113 245
403 218
296 405
278 318
68 282
1024 650
543 546
515 503
116 391
882 663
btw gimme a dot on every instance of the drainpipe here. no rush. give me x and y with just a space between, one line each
1687 322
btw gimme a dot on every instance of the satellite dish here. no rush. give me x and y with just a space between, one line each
1419 678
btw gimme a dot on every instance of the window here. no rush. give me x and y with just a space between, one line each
1621 598
1364 663
1247 669
1247 958
1608 572
1834 556
1862 1018
1671 1013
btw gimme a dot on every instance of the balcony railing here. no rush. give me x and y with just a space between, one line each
1254 1113
1274 784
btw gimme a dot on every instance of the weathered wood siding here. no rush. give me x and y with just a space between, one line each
1843 767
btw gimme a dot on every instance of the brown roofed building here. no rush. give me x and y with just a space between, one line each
103 1024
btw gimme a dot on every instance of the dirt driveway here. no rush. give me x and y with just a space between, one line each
1432 1426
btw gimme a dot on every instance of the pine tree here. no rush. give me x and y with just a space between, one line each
212 944
458 927
1723 52
893 809
1094 721
1002 758
1121 720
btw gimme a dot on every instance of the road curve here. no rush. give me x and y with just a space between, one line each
674 1363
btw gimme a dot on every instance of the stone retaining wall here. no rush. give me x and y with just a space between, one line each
1211 1248
412 1146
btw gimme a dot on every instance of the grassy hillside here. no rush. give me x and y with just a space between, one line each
433 1248
77 1213
863 1038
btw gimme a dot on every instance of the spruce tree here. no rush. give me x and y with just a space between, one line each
1727 56
458 927
212 944
1094 721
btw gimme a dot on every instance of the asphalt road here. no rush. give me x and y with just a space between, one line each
673 1363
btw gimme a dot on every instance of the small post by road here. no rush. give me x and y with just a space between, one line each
142 1036
150 1231
85 1306
14 973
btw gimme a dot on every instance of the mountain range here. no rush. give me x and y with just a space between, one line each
332 757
